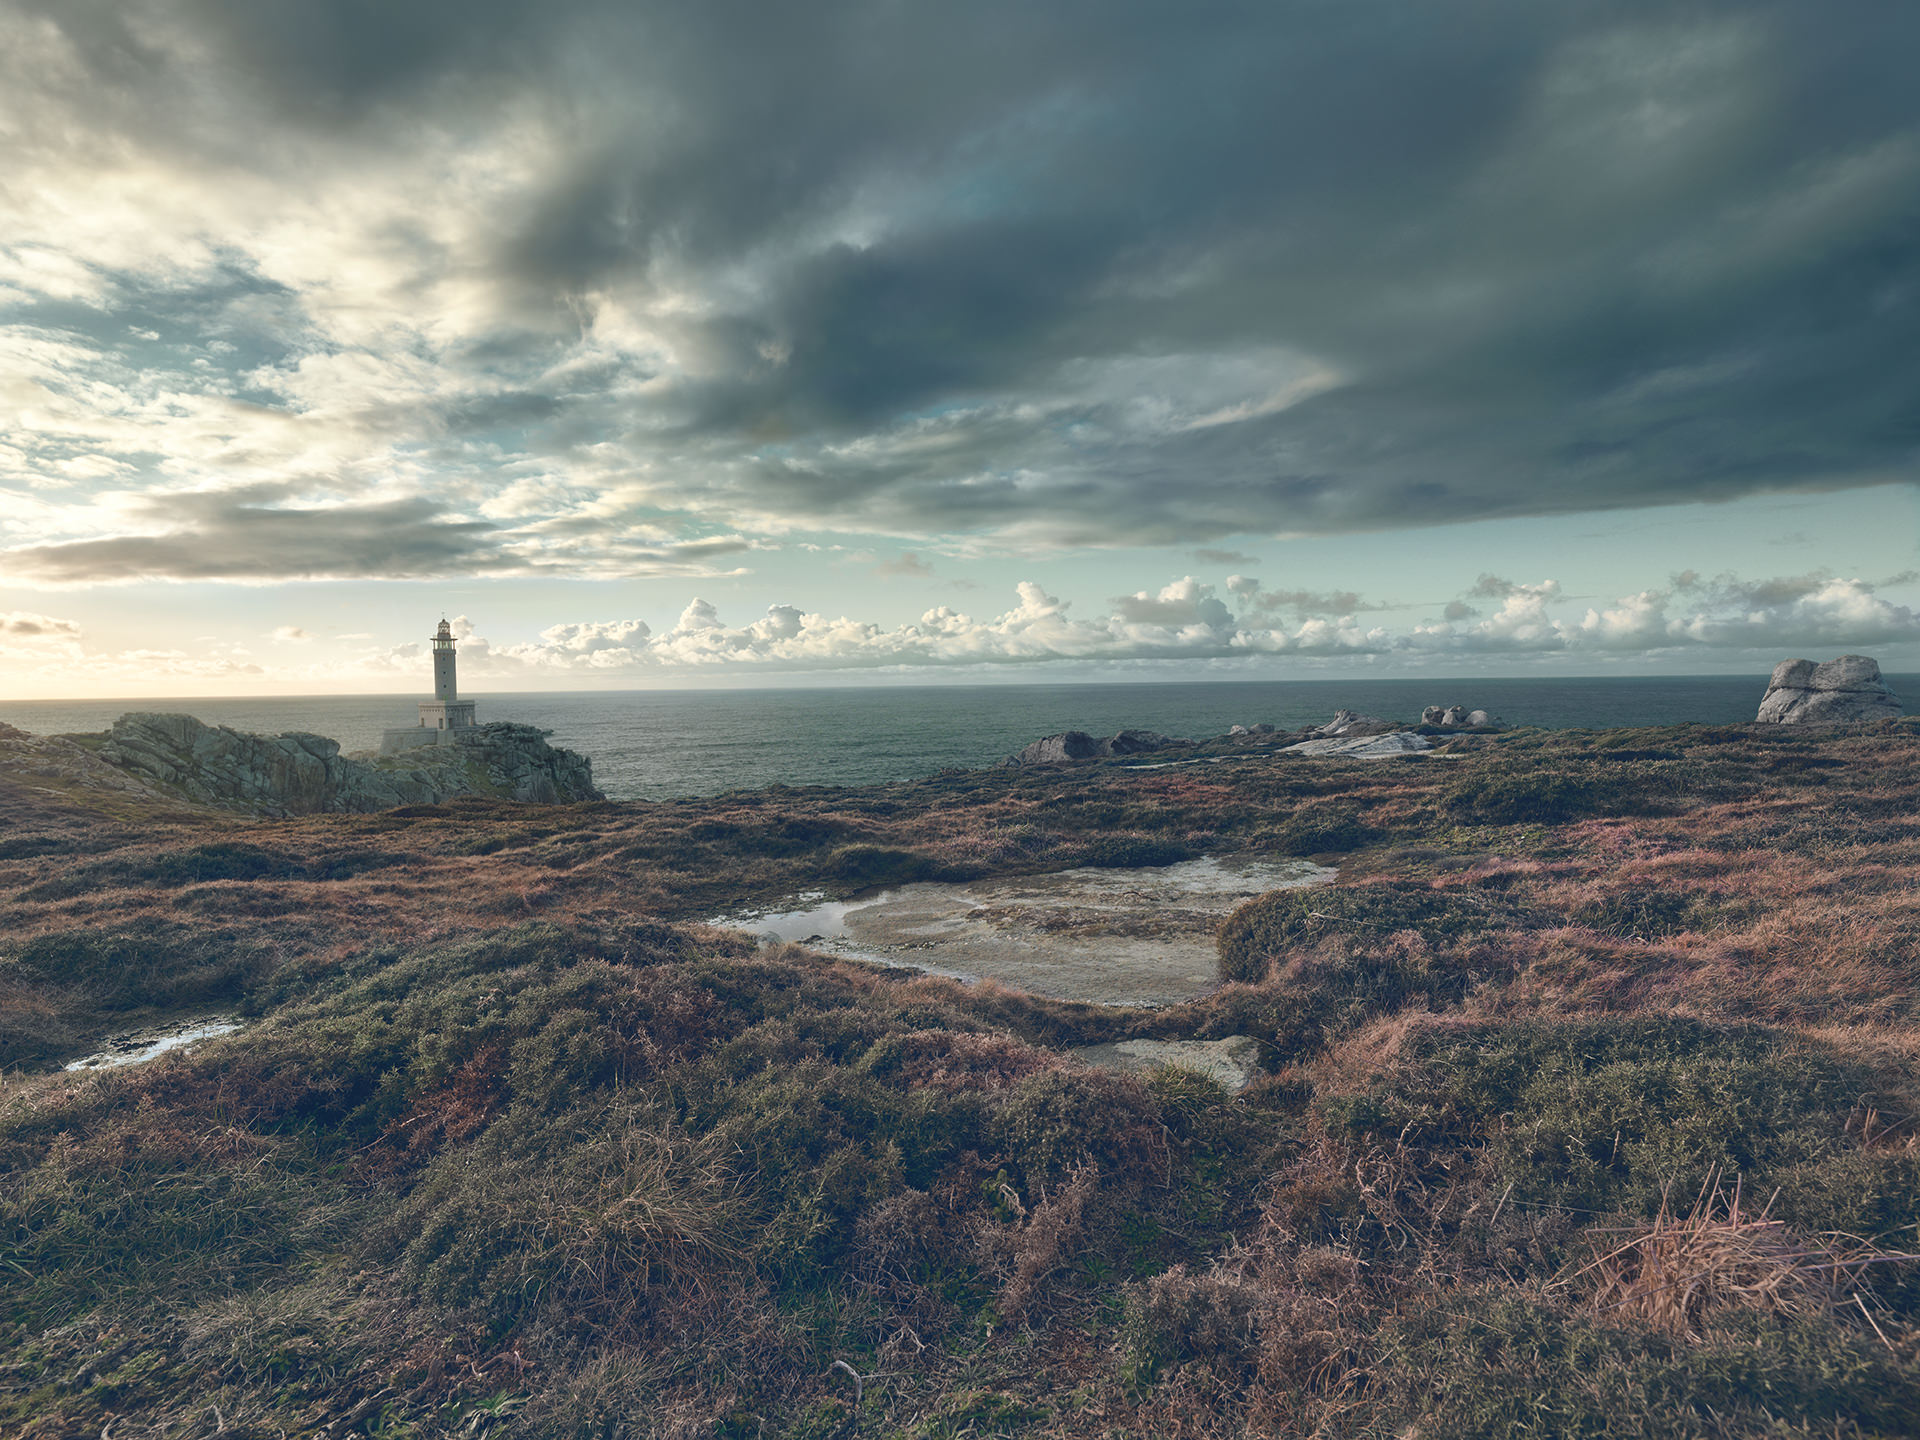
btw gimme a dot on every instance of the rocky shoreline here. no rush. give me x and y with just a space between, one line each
1847 690
1348 733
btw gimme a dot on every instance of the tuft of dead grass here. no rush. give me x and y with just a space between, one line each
1680 1271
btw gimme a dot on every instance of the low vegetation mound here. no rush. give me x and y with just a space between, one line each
1602 1124
1273 929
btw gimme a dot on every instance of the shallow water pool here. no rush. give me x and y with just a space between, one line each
1113 937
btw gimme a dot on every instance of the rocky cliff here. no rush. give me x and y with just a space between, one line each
1846 691
301 774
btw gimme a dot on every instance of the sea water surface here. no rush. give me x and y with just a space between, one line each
655 744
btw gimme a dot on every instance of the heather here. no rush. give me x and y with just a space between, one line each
1587 1107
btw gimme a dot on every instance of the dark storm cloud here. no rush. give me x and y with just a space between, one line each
243 536
1109 273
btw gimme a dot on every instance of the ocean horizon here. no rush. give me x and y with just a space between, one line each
660 744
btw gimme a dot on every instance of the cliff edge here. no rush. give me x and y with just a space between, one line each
301 774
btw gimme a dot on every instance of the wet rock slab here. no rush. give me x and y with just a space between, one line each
1113 937
1233 1062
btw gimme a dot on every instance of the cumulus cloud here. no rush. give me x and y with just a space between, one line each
1187 620
1813 611
575 287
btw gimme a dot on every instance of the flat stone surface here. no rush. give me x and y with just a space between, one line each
1113 937
1364 747
1233 1061
1848 672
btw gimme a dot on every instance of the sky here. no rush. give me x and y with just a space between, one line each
866 341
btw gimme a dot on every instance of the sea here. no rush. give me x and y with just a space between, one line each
660 744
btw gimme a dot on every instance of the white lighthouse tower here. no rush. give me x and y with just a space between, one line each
446 711
444 715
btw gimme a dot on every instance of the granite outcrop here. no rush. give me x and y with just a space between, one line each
301 774
1843 691
1078 745
1353 723
1458 717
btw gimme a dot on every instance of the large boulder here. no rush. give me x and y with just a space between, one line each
1843 691
1458 717
1078 745
301 774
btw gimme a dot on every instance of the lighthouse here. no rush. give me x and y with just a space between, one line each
444 716
446 711
445 689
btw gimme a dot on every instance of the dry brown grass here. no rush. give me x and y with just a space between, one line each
1680 1271
1035 1241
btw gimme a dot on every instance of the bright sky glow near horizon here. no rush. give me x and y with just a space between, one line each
854 342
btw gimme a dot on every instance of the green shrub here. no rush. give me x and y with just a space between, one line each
1508 791
1134 852
1600 1115
1494 1363
160 965
1644 912
1321 829
1058 1120
594 1219
224 860
864 867
1275 925
160 1206
1176 1317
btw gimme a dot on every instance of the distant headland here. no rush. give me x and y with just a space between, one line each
445 756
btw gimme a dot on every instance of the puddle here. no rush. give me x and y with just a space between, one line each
1114 937
137 1047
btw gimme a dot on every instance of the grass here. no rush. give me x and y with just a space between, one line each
1588 1109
